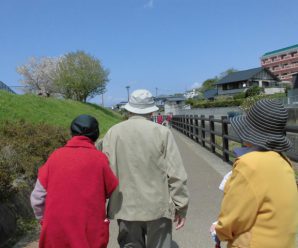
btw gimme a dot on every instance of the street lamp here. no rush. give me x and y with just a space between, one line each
127 88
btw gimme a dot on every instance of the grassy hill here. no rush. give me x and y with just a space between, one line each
31 127
56 112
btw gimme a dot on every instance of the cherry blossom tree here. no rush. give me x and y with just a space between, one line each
39 74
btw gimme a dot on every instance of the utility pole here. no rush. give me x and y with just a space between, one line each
127 88
156 90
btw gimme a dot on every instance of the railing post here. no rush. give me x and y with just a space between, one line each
184 125
181 123
225 140
196 129
173 121
203 130
192 130
187 125
212 135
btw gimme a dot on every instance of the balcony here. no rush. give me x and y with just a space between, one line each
287 69
287 59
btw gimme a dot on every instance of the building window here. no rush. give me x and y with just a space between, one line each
254 83
231 86
293 54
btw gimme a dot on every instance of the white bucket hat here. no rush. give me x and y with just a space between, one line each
141 102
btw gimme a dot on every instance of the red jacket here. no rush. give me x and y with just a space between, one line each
78 180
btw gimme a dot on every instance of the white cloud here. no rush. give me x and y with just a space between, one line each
149 4
195 85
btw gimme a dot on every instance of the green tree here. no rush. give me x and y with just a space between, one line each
227 72
80 75
208 84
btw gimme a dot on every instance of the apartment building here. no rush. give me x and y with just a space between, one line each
283 62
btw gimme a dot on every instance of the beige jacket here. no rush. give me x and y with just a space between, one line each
152 178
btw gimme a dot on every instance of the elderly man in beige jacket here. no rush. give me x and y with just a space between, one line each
152 180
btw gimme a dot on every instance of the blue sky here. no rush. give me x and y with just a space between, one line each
169 44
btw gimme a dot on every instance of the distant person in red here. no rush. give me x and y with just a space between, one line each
169 118
71 190
159 119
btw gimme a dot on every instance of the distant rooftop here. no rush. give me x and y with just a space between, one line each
280 50
209 94
170 98
240 76
175 99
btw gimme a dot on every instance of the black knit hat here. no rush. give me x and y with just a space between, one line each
264 125
85 125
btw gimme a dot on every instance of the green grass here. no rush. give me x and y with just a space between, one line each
56 112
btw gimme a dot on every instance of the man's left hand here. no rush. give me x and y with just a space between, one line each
180 221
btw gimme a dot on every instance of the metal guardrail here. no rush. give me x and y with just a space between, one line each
204 131
6 88
290 100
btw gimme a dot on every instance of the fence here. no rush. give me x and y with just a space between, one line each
3 86
217 135
290 100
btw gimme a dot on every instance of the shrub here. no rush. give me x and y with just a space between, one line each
190 101
240 95
253 91
217 103
24 148
223 98
249 101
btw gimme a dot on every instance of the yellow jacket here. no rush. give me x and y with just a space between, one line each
260 204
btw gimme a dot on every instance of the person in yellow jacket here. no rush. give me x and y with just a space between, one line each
260 204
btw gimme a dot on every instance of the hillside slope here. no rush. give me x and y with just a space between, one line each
57 112
31 128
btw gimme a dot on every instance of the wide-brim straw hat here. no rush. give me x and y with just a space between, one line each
141 102
264 125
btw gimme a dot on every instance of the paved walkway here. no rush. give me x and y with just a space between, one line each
205 172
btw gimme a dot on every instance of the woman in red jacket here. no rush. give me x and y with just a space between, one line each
71 191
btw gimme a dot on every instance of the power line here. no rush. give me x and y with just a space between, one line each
19 86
